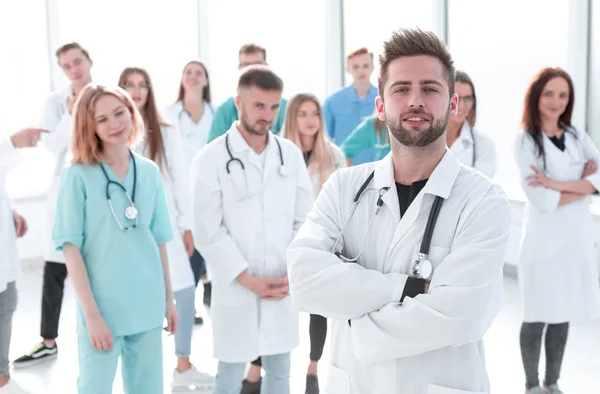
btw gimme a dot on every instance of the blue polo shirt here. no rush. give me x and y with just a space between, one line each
343 111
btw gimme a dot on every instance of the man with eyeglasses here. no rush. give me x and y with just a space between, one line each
226 114
57 118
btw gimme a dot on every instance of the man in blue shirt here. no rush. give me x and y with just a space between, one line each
347 108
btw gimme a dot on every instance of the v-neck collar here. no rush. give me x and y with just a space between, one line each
113 176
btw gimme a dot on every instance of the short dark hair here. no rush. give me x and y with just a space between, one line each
261 77
407 42
72 45
249 49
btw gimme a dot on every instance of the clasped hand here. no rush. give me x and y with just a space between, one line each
271 289
539 179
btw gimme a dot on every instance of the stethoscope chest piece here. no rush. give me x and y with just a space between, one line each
284 171
422 267
131 212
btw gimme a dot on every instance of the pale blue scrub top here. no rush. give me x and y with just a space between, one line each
124 267
365 137
343 111
227 113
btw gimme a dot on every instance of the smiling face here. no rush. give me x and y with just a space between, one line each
76 66
113 120
417 100
466 102
194 78
554 99
308 118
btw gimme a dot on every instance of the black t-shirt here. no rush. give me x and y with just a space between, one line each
559 142
307 156
407 193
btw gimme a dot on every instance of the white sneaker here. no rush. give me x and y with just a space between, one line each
192 379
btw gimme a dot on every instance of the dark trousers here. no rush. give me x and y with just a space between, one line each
317 330
198 266
531 345
52 297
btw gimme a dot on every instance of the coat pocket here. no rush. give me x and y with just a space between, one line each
338 381
435 389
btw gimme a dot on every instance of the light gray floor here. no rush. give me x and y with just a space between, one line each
581 372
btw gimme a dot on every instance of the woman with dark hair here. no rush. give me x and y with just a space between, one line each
163 145
557 260
469 145
192 114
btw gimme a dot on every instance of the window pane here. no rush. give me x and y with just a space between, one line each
160 36
502 59
25 81
369 24
293 33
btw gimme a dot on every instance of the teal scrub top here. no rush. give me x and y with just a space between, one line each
124 267
343 111
366 137
226 114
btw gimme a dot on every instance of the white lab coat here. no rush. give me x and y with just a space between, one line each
57 120
175 179
485 151
9 258
235 234
428 344
558 264
195 135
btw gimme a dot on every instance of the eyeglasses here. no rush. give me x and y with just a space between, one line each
467 100
130 86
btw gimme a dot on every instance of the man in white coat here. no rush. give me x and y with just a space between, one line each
251 192
411 311
57 118
12 225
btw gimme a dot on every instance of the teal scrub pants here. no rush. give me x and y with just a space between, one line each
141 364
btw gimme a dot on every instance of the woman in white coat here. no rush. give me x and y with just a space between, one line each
557 259
192 114
470 146
164 146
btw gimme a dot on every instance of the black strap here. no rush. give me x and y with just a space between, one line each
364 186
433 215
109 182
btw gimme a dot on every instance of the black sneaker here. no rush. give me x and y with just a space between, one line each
40 353
250 387
198 320
312 384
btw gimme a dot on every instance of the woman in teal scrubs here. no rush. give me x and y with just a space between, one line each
370 133
115 249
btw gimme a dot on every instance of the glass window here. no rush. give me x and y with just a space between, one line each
293 34
594 86
160 36
369 24
502 59
25 81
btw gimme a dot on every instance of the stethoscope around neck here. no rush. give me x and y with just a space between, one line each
131 212
422 267
283 170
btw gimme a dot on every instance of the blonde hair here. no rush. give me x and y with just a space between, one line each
322 159
86 146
